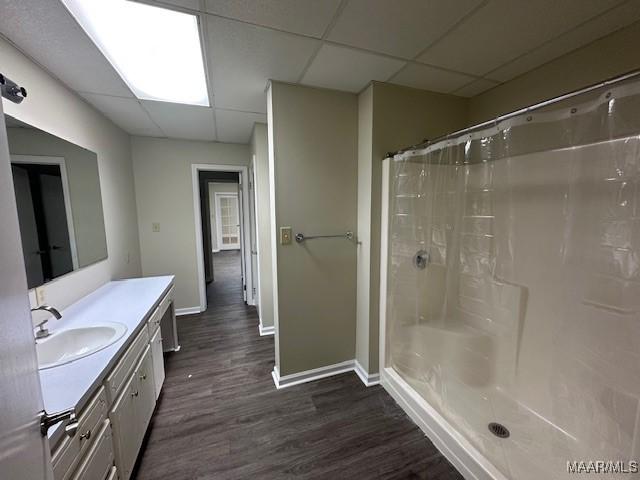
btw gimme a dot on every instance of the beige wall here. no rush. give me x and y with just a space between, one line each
608 57
259 151
164 194
399 117
314 148
53 108
365 167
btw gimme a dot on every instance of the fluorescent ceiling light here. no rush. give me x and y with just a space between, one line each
156 51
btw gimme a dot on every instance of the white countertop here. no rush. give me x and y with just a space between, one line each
129 302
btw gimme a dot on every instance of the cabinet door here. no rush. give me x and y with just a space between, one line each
146 398
158 362
126 428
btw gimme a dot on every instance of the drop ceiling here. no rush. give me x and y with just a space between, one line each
461 47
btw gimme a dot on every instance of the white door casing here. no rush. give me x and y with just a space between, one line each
24 451
60 161
245 225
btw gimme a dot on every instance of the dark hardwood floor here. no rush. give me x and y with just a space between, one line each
226 288
221 417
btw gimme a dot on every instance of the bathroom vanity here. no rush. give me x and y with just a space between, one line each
114 389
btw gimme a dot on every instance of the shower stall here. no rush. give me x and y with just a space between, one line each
510 292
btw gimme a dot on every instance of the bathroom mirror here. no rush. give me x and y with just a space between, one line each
57 189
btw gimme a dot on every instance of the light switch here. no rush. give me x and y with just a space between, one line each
40 296
155 227
285 235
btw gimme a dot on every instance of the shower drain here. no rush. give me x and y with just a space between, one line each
499 430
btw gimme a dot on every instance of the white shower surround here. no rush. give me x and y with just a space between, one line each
448 437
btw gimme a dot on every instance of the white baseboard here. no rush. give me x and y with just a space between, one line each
457 449
187 311
266 330
323 372
369 379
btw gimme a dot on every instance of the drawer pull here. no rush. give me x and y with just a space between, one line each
86 435
134 394
143 376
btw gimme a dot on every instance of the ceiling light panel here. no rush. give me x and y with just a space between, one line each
156 51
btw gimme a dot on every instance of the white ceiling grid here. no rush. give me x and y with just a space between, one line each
461 47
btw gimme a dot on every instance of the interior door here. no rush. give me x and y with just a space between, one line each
55 215
24 452
229 221
28 227
253 206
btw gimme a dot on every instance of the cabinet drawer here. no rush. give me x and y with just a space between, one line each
68 453
91 419
98 462
165 302
154 322
121 371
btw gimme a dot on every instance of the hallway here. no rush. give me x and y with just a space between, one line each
226 288
221 417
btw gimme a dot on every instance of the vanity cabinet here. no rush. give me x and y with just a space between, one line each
158 362
131 414
112 425
98 463
72 449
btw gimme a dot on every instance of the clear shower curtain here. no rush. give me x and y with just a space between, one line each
514 284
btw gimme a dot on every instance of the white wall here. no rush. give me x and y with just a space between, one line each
259 148
51 107
164 194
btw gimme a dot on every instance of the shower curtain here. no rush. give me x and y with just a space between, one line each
513 285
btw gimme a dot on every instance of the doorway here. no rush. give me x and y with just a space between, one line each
44 213
223 252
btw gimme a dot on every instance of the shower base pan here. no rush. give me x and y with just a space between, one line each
457 449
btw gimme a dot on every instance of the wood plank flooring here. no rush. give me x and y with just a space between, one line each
221 417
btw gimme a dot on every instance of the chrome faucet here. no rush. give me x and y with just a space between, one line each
42 331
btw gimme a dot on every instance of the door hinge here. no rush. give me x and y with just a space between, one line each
254 291
244 287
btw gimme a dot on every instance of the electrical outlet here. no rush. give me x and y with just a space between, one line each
285 235
155 227
41 298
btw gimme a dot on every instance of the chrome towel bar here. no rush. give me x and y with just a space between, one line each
301 238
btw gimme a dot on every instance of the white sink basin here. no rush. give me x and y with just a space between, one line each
65 346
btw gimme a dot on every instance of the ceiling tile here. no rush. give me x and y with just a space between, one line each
306 17
48 33
182 121
242 58
476 87
190 4
599 27
344 68
236 127
400 27
126 113
429 78
504 29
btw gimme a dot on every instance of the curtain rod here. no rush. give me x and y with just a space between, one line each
520 111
